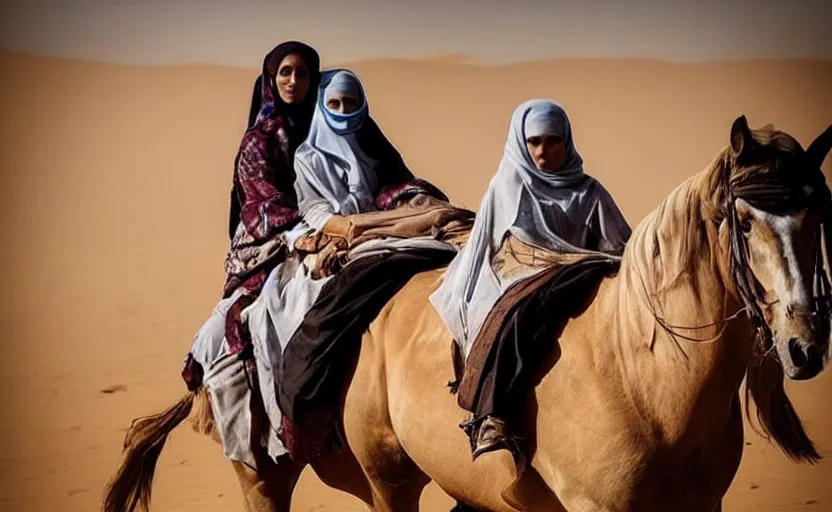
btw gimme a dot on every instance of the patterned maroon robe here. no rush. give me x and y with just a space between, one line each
268 207
266 194
263 193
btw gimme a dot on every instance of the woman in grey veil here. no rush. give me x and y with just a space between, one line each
542 199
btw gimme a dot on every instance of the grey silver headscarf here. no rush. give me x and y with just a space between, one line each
559 211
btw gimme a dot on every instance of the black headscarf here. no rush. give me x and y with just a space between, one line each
266 104
270 104
256 101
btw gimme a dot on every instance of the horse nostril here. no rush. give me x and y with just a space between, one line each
798 354
812 353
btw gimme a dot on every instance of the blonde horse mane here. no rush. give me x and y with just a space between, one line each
678 233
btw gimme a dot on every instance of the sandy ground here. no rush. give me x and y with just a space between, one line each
114 202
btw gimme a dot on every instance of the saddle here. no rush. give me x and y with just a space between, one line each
558 286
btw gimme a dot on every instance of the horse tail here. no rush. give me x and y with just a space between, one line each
143 444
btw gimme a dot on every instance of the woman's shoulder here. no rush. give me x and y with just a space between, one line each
305 153
307 159
595 187
272 127
591 181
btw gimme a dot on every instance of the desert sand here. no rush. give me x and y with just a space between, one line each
114 201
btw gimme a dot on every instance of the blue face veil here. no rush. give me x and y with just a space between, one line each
334 175
344 83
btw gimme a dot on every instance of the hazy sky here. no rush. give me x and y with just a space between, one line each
239 32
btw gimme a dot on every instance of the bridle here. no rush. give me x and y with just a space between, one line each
773 193
781 192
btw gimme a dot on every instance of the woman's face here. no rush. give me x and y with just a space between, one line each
342 103
292 79
547 151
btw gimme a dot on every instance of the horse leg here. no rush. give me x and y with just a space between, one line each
397 495
399 488
342 471
269 489
395 481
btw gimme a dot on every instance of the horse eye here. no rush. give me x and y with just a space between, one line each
745 225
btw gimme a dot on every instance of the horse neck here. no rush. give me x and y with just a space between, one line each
674 276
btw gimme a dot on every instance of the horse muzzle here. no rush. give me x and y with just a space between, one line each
802 360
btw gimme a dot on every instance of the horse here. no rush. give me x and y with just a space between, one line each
641 410
634 415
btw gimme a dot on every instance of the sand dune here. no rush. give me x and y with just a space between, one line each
114 197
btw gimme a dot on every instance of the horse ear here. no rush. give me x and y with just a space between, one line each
819 148
741 138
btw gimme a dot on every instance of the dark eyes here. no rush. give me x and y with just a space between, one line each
745 225
348 102
550 139
287 70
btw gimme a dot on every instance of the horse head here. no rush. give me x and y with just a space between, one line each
777 209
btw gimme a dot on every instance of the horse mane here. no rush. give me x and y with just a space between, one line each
669 240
